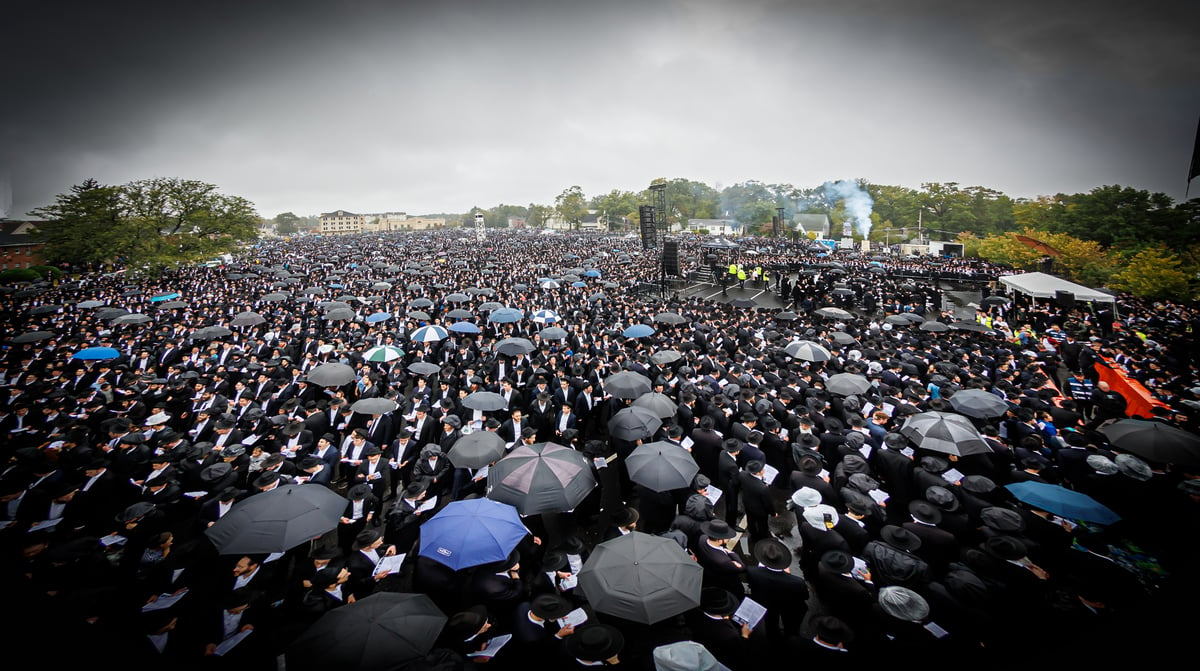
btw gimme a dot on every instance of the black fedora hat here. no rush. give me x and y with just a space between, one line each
550 606
838 561
901 538
718 601
595 642
942 498
717 530
773 554
925 512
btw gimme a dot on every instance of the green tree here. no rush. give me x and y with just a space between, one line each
616 205
288 223
1124 216
537 215
1154 273
571 205
154 223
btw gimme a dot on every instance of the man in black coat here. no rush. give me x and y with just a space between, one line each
772 584
757 500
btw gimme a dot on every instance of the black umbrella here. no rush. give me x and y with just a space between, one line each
424 368
944 432
376 633
633 423
376 405
670 318
333 374
247 319
541 478
847 384
1155 441
743 303
641 578
476 449
278 520
842 338
32 336
658 403
978 403
833 313
666 356
627 384
515 346
934 327
485 401
661 466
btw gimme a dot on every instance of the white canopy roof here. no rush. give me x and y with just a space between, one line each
1042 285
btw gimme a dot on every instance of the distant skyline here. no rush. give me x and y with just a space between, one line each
430 107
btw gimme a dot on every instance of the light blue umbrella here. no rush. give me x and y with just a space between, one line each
579 284
592 272
505 315
96 354
163 297
431 333
471 532
464 327
638 331
378 317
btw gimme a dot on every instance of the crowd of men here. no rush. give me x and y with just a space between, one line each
860 544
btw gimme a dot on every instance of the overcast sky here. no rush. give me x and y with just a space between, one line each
438 106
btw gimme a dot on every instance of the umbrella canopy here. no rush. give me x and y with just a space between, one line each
666 356
978 403
339 314
420 303
1154 441
807 350
843 338
541 478
460 313
847 384
633 423
464 327
431 333
545 317
132 318
457 297
934 327
32 336
418 314
658 403
163 297
332 374
670 318
553 333
96 354
1061 501
424 368
476 449
376 405
506 315
247 319
627 384
787 316
638 331
485 401
210 332
278 520
515 346
743 303
89 304
471 532
661 466
383 353
944 432
376 633
377 317
833 313
273 297
641 578
171 305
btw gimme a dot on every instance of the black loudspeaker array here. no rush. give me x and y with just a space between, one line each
646 220
1065 299
671 257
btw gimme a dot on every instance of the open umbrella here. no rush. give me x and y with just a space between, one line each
978 403
1063 502
460 313
171 305
89 304
665 356
247 319
376 633
476 449
553 333
457 297
658 403
641 578
545 317
633 423
847 384
743 303
339 314
506 315
934 327
843 338
96 354
661 466
787 316
541 478
471 532
375 405
807 350
670 318
420 303
944 432
464 327
418 314
377 317
833 313
431 333
627 384
638 331
1154 441
383 353
485 401
32 336
211 332
424 368
133 318
332 374
278 520
515 346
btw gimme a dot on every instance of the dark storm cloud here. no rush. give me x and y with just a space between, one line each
372 106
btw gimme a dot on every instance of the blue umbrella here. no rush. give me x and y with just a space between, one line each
96 353
464 327
504 315
337 286
579 284
471 532
1063 502
163 297
638 331
378 317
591 273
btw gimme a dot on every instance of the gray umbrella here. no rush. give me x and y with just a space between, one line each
380 632
457 297
944 432
553 333
420 303
32 336
627 384
485 401
247 319
670 318
133 318
459 313
332 374
90 304
210 332
376 405
277 521
424 368
641 578
541 478
661 466
273 297
847 384
833 313
806 350
842 338
515 346
339 314
110 313
665 356
658 403
978 403
633 423
934 327
476 449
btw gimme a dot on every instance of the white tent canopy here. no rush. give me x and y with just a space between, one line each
1041 285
